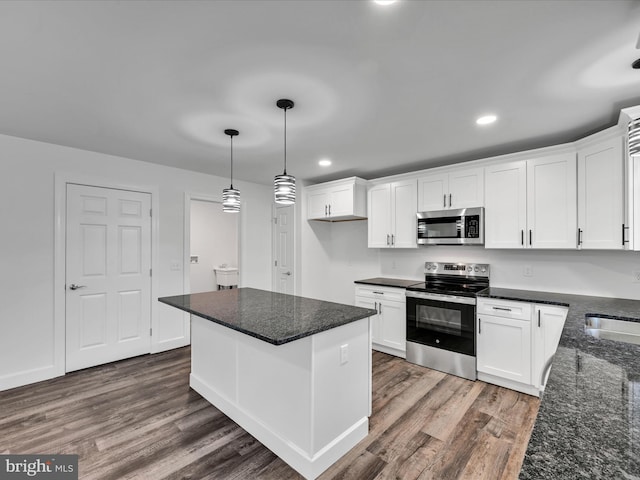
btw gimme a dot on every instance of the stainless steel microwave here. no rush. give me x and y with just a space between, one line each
463 226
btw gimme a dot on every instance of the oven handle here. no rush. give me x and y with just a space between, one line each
441 298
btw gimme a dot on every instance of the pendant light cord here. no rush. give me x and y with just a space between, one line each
231 160
285 140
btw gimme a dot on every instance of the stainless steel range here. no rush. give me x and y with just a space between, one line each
441 317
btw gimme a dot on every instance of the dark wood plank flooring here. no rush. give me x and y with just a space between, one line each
138 419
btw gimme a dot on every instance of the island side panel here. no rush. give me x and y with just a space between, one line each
341 383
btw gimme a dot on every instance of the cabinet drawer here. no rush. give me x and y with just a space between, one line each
381 293
505 308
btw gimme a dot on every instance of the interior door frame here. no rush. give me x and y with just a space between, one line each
274 247
60 242
186 247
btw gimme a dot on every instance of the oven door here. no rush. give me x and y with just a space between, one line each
442 323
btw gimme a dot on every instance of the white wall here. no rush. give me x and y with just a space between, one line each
336 254
27 176
214 239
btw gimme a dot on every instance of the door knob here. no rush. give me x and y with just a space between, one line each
73 286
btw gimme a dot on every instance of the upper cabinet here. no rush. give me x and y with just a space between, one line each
454 189
392 215
336 201
601 196
531 203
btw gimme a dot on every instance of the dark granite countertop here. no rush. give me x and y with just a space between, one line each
388 282
588 425
273 317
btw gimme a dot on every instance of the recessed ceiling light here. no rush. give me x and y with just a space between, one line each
325 162
486 119
384 2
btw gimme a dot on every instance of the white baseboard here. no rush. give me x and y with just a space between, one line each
511 384
27 377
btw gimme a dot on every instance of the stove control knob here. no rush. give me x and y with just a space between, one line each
484 269
469 268
477 269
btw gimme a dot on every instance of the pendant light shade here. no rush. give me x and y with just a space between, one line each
231 196
284 185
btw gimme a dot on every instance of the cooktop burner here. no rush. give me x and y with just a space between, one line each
459 279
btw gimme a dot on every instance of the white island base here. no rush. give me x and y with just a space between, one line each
308 400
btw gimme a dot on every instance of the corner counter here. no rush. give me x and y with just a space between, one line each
588 425
294 372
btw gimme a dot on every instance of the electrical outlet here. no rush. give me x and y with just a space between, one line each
344 353
527 271
636 276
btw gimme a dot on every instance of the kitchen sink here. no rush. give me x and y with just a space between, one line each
613 329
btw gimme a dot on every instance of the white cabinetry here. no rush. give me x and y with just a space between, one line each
392 211
531 203
388 327
453 189
504 341
548 322
338 200
516 342
601 196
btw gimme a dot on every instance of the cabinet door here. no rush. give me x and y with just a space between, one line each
379 216
393 326
505 219
433 192
374 322
341 202
404 220
548 322
601 196
466 188
504 347
551 202
317 204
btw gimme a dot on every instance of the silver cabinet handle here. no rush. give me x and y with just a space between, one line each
325 210
502 308
530 237
329 209
379 307
73 286
449 200
387 239
444 200
538 318
479 326
379 293
393 239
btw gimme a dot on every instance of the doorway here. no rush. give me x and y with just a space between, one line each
213 246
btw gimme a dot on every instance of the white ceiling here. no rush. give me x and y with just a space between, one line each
379 90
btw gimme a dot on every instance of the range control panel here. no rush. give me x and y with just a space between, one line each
466 269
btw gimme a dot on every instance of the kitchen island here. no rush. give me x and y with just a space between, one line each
294 372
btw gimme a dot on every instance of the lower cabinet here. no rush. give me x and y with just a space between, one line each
516 342
388 327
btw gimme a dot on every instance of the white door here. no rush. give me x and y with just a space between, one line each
466 188
432 192
601 196
404 207
393 325
318 204
341 203
552 216
283 242
108 275
505 219
379 212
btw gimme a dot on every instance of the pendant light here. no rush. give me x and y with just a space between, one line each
285 185
231 196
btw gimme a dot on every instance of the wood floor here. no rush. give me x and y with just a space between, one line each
138 419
